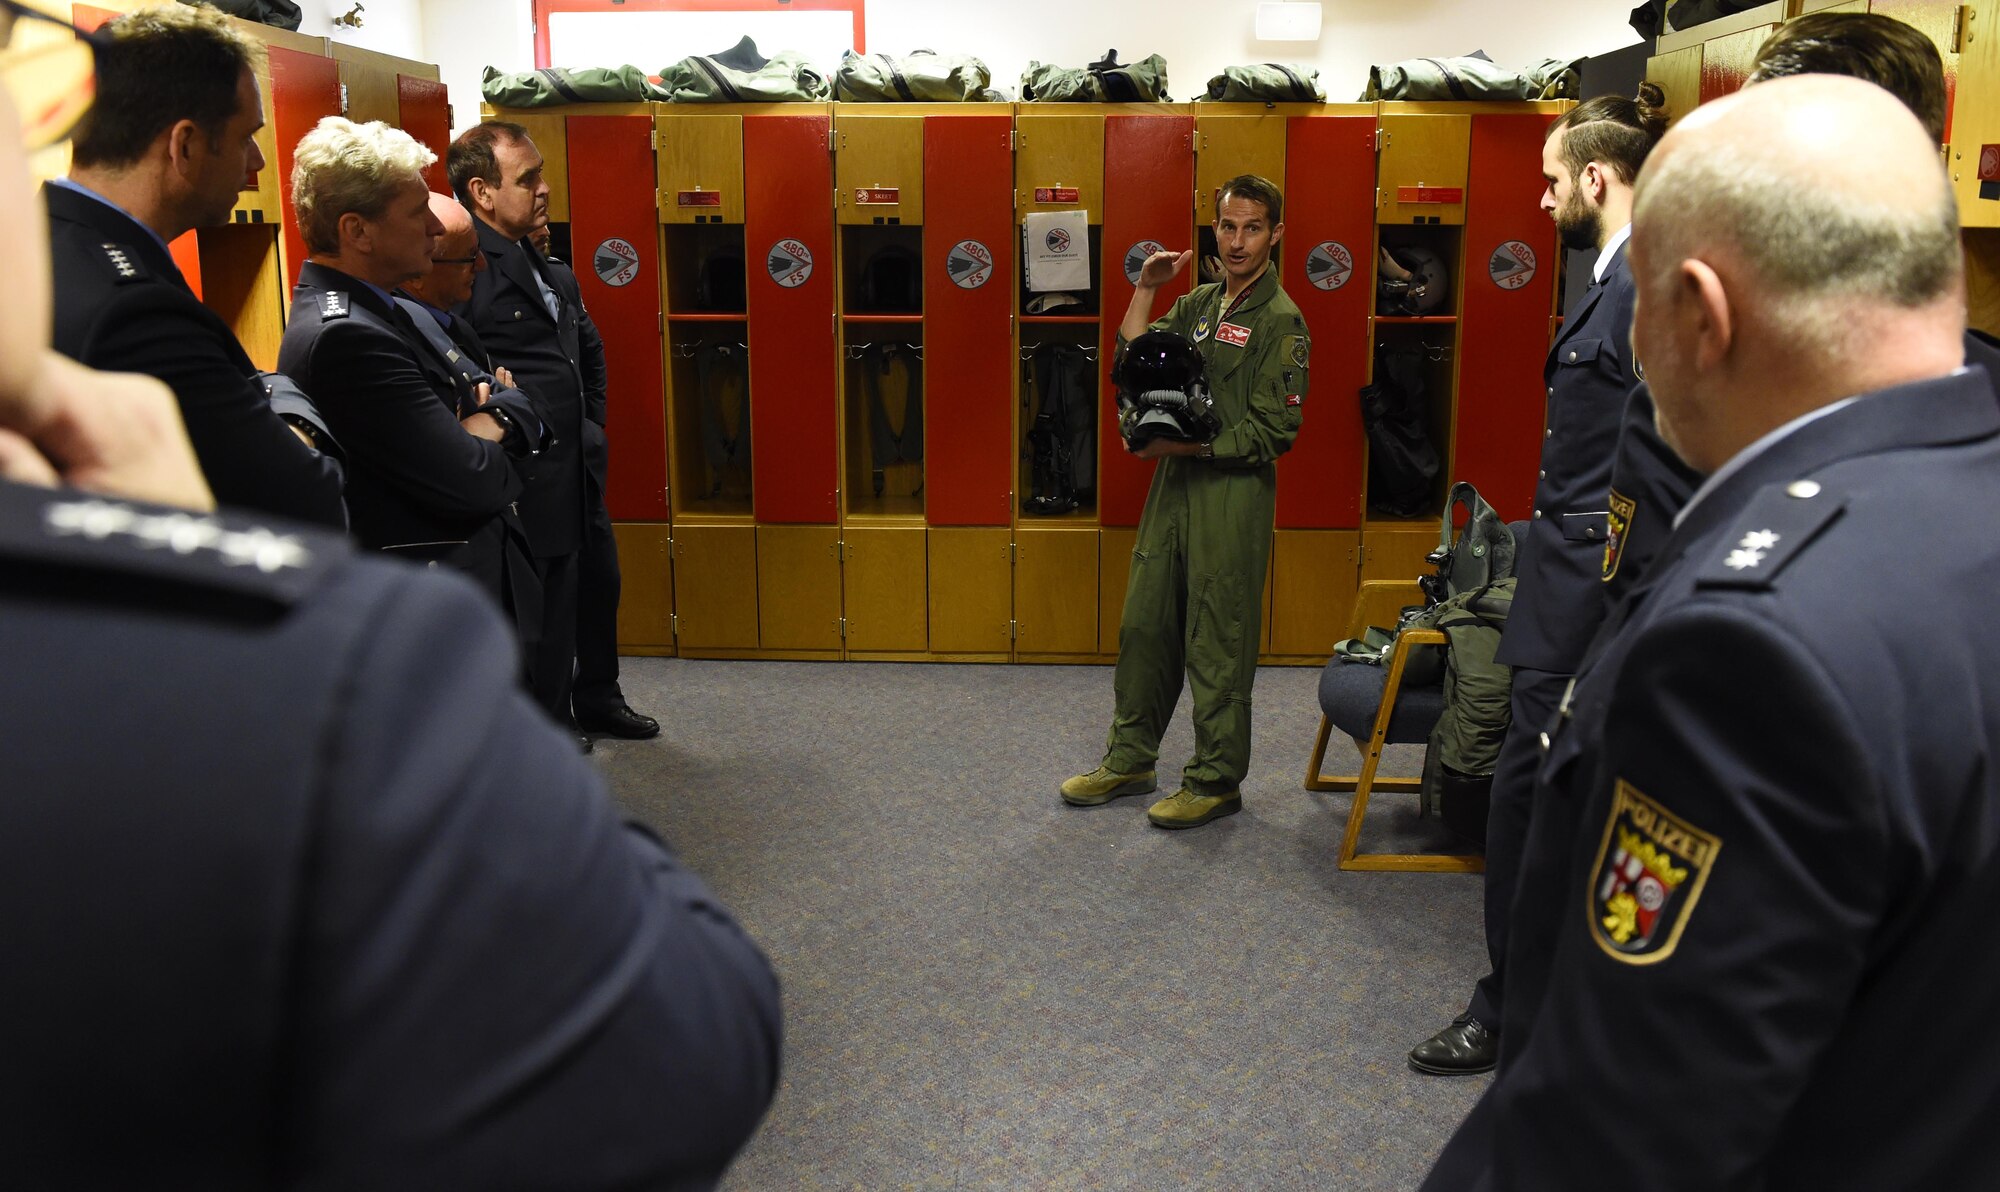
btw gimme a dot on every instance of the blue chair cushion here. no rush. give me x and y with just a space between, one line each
1350 692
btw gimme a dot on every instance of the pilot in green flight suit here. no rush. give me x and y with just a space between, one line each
1197 581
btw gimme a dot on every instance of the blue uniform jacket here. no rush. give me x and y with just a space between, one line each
302 892
1757 957
1559 598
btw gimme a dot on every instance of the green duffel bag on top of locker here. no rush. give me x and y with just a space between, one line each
589 84
741 75
1472 77
1271 82
921 76
1103 81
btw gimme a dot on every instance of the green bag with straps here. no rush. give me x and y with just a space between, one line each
1103 81
921 76
556 85
741 75
1474 76
1271 82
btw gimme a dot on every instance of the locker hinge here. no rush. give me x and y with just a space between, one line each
659 198
838 550
1381 139
1013 631
840 627
343 99
1014 552
1013 139
450 117
674 624
1960 30
835 140
653 137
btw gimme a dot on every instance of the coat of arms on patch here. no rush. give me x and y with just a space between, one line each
1650 870
1618 522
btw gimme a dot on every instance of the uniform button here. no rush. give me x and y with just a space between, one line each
1550 433
1572 357
1538 515
1803 489
1552 393
1542 475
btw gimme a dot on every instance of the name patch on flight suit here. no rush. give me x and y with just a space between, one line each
1617 523
1230 333
1649 873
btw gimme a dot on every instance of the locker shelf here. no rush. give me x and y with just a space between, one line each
1050 319
1446 319
881 318
724 317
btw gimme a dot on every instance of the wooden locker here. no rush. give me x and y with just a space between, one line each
1725 61
884 589
1056 155
239 276
798 588
1946 24
1228 145
1314 577
1114 576
370 79
1148 173
968 307
1508 289
1975 127
701 168
971 594
646 593
1397 553
1329 239
550 133
1679 75
424 111
715 587
305 88
788 242
614 239
879 169
1055 592
1422 169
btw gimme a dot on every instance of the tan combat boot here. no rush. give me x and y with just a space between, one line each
1185 809
1102 786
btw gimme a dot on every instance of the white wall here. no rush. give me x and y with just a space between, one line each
1197 37
389 26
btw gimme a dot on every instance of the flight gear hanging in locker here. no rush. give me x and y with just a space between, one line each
921 76
892 282
1062 438
722 371
1272 82
556 85
719 280
741 75
1103 81
1413 281
1474 76
887 444
1403 463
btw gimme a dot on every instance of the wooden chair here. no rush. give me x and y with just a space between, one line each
1398 716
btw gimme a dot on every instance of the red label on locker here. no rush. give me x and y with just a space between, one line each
700 198
878 197
1430 194
1058 194
1989 163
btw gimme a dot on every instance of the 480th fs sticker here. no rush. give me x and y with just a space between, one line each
616 262
1512 265
790 263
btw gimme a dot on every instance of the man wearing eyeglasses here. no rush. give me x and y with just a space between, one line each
168 145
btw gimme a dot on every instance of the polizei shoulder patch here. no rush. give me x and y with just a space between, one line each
1650 870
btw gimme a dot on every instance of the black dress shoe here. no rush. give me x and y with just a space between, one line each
1461 1049
620 721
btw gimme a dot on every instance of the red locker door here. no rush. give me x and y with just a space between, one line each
423 112
1509 290
614 236
788 243
304 89
1148 196
968 295
1329 234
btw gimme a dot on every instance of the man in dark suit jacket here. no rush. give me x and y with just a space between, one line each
527 326
1780 748
598 701
1590 159
430 481
167 147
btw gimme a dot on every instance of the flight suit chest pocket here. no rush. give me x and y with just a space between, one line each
1584 527
1580 352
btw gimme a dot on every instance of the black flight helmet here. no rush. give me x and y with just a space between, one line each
1162 393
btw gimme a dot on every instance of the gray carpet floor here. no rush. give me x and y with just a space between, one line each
987 989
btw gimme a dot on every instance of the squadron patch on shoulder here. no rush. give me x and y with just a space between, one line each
1201 327
1297 349
1617 524
1649 873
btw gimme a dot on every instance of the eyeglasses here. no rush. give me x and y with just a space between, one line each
50 67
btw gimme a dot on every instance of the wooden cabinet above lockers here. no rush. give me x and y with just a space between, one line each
1232 139
1422 162
701 167
878 169
1059 162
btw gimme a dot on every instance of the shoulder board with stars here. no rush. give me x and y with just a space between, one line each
264 558
333 304
1770 532
126 267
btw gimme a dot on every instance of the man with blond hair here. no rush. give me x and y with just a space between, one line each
1780 746
170 141
431 479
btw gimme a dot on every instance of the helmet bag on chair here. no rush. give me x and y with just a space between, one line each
1162 393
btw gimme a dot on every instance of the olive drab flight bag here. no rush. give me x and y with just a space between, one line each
1472 77
556 85
1271 82
741 75
921 76
1103 81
